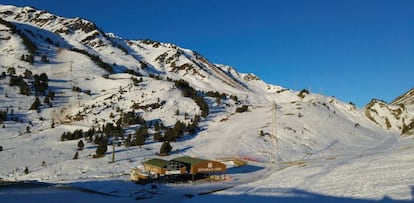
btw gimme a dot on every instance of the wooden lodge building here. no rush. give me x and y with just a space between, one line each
164 167
185 166
196 166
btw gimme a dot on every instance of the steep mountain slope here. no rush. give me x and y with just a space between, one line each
398 115
122 89
143 56
406 99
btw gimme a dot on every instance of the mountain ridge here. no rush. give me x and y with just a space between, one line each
143 57
98 81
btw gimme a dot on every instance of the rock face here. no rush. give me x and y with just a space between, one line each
140 56
398 115
406 99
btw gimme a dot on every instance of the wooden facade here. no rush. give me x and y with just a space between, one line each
196 165
183 166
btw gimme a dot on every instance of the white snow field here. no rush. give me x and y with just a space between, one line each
366 169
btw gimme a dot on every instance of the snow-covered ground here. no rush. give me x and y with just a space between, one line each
347 169
376 176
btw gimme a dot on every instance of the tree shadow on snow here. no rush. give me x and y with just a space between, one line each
243 169
181 150
288 196
84 191
124 191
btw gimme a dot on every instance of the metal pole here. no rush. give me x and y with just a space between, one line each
113 152
274 133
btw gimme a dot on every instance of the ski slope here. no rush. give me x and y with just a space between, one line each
379 168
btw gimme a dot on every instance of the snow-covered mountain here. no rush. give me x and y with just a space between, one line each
405 99
53 33
79 55
397 116
87 79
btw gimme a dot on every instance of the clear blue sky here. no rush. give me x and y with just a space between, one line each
354 50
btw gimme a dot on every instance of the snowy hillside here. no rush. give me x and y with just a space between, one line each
65 80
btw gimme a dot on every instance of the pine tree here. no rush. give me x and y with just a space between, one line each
44 58
158 136
36 104
24 89
170 135
51 95
28 74
262 133
139 139
179 129
76 156
102 147
165 148
242 109
156 126
81 145
11 71
46 100
63 137
97 139
128 141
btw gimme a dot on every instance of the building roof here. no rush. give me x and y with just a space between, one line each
161 163
189 160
